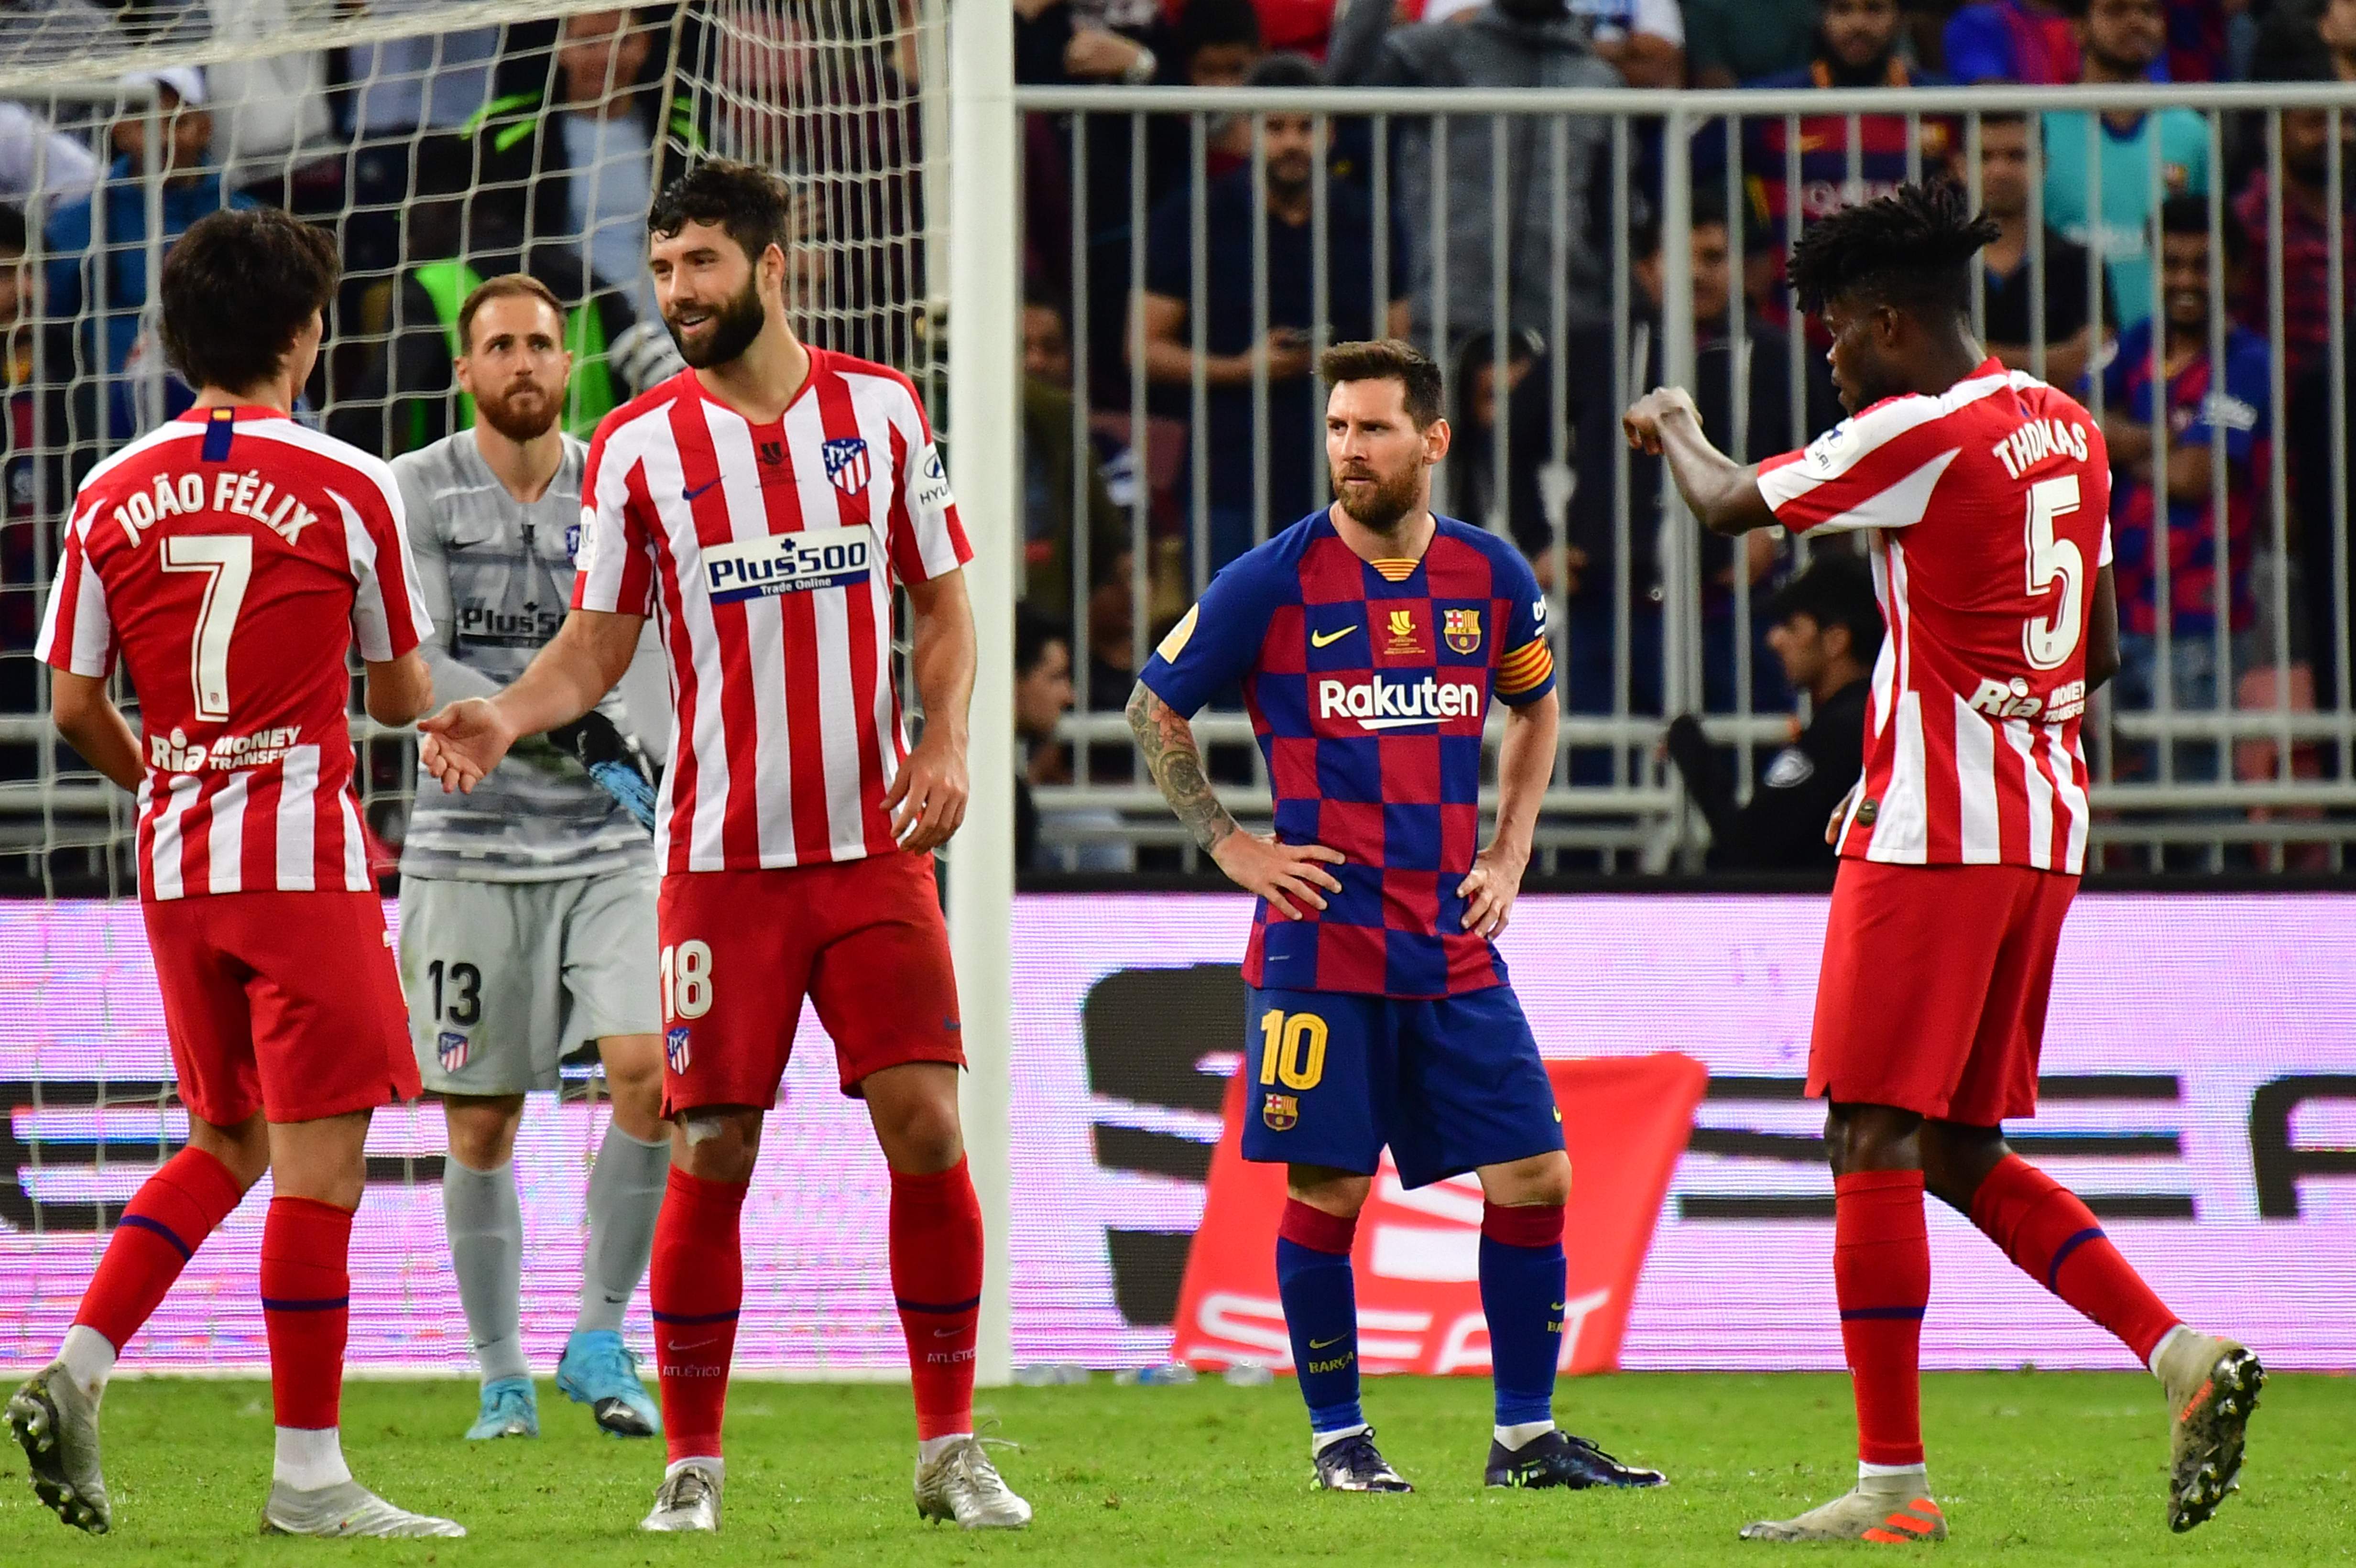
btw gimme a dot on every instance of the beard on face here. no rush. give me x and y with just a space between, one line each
733 326
1380 509
523 412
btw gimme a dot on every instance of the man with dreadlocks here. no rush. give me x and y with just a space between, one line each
1984 494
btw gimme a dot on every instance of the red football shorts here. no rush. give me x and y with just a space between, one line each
285 1003
1936 979
863 939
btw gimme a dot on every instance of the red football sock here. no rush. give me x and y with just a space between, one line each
1881 1273
696 1287
936 1279
161 1229
2042 1226
306 1295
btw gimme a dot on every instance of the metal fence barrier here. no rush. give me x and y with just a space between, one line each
1197 248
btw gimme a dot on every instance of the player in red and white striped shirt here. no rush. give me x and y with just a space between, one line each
760 506
1985 496
229 560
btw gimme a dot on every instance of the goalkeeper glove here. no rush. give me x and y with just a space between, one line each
614 761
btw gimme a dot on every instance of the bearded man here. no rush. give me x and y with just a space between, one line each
1369 639
527 907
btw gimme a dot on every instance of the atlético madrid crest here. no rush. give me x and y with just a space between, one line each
1462 630
452 1050
675 1048
1280 1112
846 464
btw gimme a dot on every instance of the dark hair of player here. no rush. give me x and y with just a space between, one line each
2190 215
1912 250
507 285
1835 590
750 204
1033 631
1389 360
237 288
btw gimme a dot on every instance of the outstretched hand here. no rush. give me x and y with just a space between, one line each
463 743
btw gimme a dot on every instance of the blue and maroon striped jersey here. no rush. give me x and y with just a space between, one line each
1367 683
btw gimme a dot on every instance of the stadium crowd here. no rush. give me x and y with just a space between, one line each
444 158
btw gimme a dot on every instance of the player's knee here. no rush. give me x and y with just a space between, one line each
920 1135
244 1148
1956 1159
1539 1182
636 1081
1340 1193
1872 1137
718 1145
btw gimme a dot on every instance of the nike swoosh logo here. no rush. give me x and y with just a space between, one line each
1321 639
1327 1344
1556 1307
947 1333
689 495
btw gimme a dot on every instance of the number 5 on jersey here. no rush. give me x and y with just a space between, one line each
686 980
2048 643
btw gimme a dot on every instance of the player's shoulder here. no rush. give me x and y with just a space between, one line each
434 465
299 446
130 464
866 379
1879 425
1503 557
649 409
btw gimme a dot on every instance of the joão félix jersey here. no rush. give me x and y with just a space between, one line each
1368 684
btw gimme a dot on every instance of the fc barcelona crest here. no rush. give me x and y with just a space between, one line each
1462 630
846 464
1280 1112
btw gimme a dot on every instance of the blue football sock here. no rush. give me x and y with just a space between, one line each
1522 1297
1321 1312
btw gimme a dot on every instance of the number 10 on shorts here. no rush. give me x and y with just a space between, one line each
686 980
1292 1050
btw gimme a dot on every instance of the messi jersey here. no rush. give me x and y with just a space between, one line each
1368 684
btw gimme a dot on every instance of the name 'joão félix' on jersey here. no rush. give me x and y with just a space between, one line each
246 494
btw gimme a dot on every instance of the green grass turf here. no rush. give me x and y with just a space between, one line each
2031 1468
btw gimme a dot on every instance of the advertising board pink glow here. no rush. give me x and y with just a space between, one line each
2200 1090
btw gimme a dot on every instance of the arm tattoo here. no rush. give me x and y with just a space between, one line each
1172 757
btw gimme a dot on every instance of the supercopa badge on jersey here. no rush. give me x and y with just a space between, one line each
788 563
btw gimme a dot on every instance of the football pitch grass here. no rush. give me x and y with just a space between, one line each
2030 1467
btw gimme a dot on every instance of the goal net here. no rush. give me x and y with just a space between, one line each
441 143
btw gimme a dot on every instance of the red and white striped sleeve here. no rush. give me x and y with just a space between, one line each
614 569
1876 469
389 617
923 533
77 634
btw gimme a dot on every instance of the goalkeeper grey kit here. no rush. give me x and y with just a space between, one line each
497 575
528 906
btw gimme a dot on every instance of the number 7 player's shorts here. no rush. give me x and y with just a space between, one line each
1936 980
863 939
1450 1085
283 1003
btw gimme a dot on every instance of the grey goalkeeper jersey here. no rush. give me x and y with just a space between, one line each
497 577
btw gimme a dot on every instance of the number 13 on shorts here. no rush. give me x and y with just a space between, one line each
686 980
